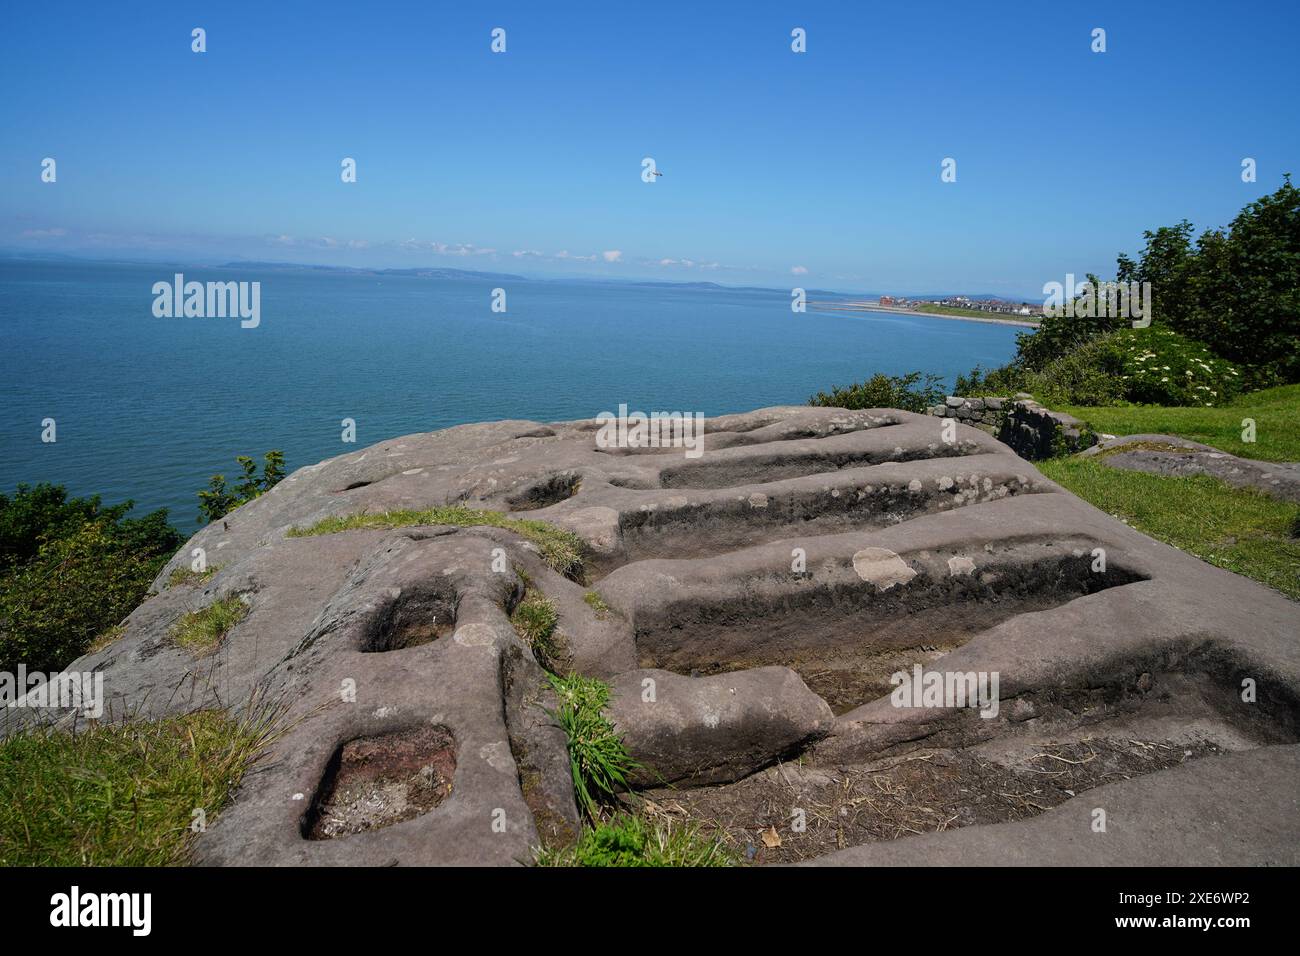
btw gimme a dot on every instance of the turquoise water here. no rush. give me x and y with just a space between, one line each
149 408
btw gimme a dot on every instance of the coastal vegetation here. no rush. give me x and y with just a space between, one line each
598 759
216 501
1225 315
911 392
201 632
70 570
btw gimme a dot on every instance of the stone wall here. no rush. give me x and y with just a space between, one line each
1032 431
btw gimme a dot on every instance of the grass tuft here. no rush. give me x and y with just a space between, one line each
560 549
596 603
629 840
121 794
201 632
598 759
184 575
535 619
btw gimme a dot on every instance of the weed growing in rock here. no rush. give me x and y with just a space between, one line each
597 757
560 549
629 840
534 619
596 603
184 575
201 632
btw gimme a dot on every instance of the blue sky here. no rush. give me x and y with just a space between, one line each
817 169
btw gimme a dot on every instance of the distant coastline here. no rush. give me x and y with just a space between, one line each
875 307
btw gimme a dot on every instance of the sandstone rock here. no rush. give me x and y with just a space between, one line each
805 557
699 730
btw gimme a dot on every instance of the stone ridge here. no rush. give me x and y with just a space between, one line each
748 606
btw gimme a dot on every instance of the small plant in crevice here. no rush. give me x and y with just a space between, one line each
598 758
201 632
534 619
596 603
184 575
629 840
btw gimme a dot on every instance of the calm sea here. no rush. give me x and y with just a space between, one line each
149 408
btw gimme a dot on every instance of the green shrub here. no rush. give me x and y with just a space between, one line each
217 502
999 382
41 513
907 392
1162 367
629 840
597 757
76 588
1090 374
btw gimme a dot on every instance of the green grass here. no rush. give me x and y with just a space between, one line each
201 632
535 619
1237 529
184 575
596 603
120 795
630 840
1276 412
560 549
597 757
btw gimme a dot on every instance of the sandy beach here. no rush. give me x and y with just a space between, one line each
874 307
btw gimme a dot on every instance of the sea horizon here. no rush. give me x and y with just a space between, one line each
398 354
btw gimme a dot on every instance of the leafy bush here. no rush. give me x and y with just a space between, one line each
999 382
599 761
885 391
1090 374
217 502
1161 367
629 840
72 570
1237 290
35 514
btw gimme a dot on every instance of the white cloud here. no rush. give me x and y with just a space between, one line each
799 271
612 255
